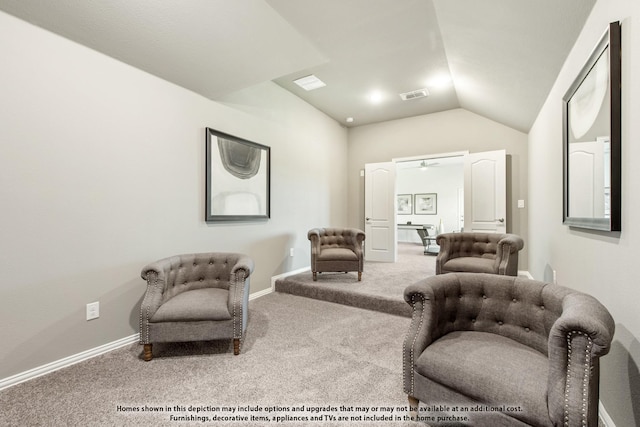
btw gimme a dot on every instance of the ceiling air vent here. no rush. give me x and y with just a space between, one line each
310 82
414 94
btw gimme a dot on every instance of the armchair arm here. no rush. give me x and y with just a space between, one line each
506 253
314 237
355 239
155 276
429 300
445 253
577 340
239 285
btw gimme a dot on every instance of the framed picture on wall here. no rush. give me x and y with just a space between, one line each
404 204
237 178
426 204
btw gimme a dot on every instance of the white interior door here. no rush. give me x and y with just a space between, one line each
485 192
380 212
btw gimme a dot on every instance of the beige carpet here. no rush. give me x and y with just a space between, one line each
381 288
321 358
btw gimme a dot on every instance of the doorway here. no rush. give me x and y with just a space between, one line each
429 190
479 204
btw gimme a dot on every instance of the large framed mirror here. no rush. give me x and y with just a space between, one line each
592 139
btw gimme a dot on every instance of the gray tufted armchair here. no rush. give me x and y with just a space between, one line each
526 353
195 297
336 249
478 253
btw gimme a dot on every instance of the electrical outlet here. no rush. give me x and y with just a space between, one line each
291 252
520 203
93 310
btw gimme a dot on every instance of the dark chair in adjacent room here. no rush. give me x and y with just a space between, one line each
428 240
478 253
336 249
195 297
525 352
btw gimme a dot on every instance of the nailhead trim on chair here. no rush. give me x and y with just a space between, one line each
144 331
585 377
413 344
235 301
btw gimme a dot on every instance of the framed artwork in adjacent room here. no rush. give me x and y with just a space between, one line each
237 178
426 204
404 204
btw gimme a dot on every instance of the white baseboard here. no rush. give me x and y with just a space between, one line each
287 274
604 416
67 361
88 354
524 273
260 293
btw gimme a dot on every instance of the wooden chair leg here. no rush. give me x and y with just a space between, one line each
315 276
359 276
236 346
148 352
413 407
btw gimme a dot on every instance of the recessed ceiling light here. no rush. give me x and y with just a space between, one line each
349 120
310 82
441 81
376 97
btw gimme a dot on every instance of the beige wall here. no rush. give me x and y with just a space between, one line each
602 264
446 132
102 171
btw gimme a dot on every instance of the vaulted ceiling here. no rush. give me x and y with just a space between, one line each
496 58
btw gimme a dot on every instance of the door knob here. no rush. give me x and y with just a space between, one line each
500 219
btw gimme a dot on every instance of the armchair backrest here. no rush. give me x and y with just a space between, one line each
520 309
182 273
502 249
484 245
336 238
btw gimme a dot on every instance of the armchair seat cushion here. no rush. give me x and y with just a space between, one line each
337 254
470 264
195 305
488 368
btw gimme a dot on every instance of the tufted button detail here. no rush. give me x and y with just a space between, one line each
500 323
514 300
527 329
542 307
202 279
473 320
484 297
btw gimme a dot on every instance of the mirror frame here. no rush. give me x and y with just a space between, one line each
611 39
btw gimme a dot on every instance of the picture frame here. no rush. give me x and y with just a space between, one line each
404 206
426 204
238 178
591 136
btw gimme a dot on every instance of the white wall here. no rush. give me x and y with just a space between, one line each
601 264
446 132
102 172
